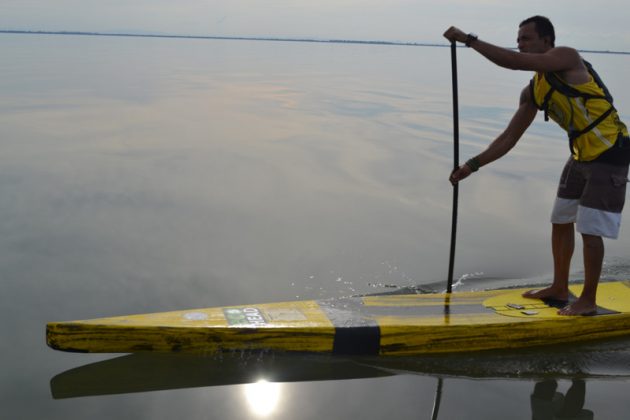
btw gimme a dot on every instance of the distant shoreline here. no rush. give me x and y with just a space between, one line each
228 38
267 39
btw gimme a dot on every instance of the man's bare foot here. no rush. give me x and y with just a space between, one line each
579 307
547 293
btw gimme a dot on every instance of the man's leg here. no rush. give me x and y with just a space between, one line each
562 246
593 260
599 215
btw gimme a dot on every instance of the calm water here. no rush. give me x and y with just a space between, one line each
141 175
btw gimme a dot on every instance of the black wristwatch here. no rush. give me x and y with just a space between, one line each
470 38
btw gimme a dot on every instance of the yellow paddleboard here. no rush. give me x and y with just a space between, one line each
385 325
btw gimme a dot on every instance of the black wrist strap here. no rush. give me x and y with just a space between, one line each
473 164
470 38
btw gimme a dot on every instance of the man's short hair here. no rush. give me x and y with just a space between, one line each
544 27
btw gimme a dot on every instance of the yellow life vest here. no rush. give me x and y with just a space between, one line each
584 111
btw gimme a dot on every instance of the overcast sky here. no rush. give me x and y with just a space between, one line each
601 25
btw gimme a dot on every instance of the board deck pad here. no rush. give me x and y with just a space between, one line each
384 325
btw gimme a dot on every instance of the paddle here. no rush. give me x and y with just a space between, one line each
449 287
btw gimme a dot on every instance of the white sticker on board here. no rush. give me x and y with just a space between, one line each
195 316
286 314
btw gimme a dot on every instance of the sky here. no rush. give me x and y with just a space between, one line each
602 25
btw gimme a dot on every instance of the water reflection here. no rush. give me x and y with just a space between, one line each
545 401
548 404
553 382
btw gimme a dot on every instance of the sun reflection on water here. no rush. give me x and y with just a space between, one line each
262 397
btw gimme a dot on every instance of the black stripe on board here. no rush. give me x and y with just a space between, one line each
355 334
357 340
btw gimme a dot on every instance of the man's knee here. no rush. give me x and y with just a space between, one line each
592 241
563 227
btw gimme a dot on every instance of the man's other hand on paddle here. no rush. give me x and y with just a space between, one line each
459 174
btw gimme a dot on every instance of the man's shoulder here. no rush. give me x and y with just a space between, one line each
565 48
566 53
565 60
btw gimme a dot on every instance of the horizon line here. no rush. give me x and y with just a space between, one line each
260 38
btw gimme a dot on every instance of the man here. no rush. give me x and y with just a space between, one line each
592 187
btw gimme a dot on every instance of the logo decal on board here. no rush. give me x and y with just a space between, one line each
245 317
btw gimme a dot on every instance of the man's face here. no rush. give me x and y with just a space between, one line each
529 41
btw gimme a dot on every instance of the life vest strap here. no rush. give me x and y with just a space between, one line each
545 104
574 134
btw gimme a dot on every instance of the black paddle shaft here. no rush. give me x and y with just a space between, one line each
449 287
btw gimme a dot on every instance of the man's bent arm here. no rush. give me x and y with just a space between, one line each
521 120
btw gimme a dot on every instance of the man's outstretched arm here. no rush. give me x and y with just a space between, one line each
556 59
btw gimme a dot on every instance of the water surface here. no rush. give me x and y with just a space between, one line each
142 175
